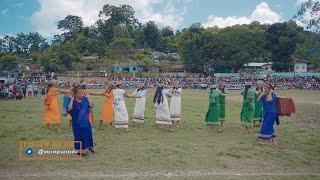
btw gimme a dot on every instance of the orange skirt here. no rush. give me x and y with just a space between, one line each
52 112
107 110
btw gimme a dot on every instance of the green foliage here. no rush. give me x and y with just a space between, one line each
146 61
69 25
51 62
113 17
310 9
118 35
122 46
152 35
167 32
282 39
9 62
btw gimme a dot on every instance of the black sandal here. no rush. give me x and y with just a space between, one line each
82 154
91 150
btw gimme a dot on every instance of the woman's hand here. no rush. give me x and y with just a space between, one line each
70 106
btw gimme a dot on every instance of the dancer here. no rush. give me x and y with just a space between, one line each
107 107
248 107
212 116
175 104
51 107
162 108
270 116
121 118
139 108
79 108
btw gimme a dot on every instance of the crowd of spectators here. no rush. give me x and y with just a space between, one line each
35 87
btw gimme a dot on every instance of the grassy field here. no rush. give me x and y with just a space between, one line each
190 152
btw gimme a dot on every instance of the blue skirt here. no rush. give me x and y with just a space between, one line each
267 131
82 134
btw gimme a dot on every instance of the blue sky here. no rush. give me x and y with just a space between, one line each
42 15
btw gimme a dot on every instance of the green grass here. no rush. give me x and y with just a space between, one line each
190 152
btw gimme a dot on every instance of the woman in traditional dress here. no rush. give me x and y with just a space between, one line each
212 116
79 107
222 103
51 107
175 104
121 118
257 117
107 107
247 108
140 106
162 108
270 116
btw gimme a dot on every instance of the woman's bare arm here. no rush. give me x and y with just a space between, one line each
70 106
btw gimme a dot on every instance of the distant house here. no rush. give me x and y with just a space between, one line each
301 66
99 66
171 67
265 67
153 69
127 68
177 68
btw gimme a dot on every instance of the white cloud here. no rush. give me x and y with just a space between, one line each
4 11
224 22
51 11
170 16
262 13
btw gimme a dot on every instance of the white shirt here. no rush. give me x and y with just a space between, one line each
177 92
140 93
118 94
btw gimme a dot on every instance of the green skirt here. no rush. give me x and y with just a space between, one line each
257 111
212 117
247 113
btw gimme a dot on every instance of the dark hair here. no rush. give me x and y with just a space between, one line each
212 88
118 85
270 86
141 88
48 87
158 97
83 86
246 88
109 89
222 90
76 90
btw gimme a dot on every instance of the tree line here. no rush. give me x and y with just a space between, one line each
118 35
